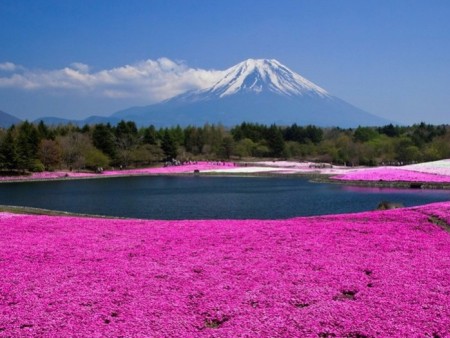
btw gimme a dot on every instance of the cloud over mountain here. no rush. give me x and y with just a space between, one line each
153 80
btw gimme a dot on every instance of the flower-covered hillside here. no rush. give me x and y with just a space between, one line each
434 172
373 274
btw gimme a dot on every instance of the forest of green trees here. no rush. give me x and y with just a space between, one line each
37 147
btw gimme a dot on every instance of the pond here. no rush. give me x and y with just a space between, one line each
191 197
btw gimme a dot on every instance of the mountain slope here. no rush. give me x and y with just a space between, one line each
7 120
260 91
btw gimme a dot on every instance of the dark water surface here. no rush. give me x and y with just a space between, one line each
165 197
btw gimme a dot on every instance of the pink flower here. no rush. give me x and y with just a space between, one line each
374 274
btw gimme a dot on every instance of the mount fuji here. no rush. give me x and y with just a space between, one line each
259 91
256 90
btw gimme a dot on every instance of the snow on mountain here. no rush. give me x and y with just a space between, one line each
261 75
256 76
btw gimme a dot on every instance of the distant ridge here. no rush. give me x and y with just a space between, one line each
7 120
54 121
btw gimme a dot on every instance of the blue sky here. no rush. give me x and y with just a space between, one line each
78 58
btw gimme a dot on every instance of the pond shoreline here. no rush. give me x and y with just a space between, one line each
313 177
384 184
17 209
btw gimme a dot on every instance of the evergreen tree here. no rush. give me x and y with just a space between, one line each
295 133
178 134
169 146
314 134
8 151
227 147
126 129
275 141
86 129
44 132
150 135
390 130
126 135
27 146
104 140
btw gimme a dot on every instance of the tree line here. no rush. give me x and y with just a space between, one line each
37 147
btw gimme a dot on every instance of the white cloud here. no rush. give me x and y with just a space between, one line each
81 67
153 80
9 67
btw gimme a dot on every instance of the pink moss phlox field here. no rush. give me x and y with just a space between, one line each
172 169
392 174
372 274
126 172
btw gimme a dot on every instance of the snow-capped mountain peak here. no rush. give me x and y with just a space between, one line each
258 75
258 91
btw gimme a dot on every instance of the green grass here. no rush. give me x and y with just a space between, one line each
48 212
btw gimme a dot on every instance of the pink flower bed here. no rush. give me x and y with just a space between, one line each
172 169
144 171
373 274
392 174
